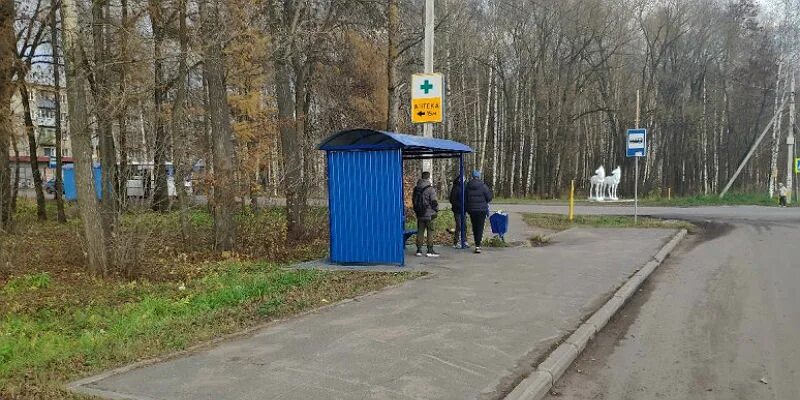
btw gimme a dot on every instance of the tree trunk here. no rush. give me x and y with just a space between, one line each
30 130
485 133
122 115
179 122
103 114
776 129
59 187
79 127
224 197
160 151
292 162
392 31
290 71
8 53
495 133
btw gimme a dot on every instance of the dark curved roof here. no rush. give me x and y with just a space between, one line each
368 139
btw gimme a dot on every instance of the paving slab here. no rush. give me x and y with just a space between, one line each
457 335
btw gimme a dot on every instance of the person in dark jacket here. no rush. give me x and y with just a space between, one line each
457 204
426 208
478 196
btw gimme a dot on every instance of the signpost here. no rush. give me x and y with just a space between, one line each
427 98
636 146
427 55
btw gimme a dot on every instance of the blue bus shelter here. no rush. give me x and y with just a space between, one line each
365 191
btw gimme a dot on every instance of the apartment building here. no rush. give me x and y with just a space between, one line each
42 99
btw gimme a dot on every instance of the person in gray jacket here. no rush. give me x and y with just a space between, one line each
426 208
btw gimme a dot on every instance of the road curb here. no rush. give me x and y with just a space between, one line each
538 383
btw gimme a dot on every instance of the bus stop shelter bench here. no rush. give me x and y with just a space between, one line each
407 234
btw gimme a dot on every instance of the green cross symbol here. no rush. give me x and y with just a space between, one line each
426 86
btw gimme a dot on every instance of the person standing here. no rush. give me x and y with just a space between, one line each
478 196
457 204
426 208
783 191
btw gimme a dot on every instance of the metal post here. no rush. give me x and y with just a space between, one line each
636 174
427 129
636 193
463 203
572 200
790 145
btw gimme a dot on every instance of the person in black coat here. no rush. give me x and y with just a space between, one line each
478 196
457 204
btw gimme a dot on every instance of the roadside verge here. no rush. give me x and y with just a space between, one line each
542 379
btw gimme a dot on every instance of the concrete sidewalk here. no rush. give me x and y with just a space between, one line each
470 331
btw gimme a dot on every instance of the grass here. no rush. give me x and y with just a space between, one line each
730 199
539 240
558 222
441 224
446 223
529 200
58 323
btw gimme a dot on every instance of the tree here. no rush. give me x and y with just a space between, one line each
8 55
224 197
159 20
76 79
179 119
104 111
299 34
34 33
392 33
59 183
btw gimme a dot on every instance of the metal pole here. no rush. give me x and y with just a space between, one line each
636 193
572 200
427 129
636 174
463 203
790 145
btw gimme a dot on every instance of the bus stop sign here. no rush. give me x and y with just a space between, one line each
636 142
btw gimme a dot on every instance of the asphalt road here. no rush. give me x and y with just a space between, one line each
719 320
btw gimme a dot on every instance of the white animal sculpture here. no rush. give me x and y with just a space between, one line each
611 183
598 184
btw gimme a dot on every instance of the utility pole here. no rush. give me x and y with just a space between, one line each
790 144
636 174
755 146
427 128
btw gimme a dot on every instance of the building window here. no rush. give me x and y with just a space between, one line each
49 151
47 136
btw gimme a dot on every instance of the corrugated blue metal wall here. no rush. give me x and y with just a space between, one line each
365 199
70 189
